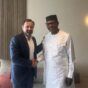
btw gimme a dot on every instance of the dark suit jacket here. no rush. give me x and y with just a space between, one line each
22 71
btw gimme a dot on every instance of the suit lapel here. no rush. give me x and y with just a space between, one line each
25 44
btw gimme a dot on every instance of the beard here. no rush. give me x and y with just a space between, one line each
53 30
28 33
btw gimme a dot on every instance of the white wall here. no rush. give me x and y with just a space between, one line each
71 14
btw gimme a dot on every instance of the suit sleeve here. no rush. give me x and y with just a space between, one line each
39 48
15 53
71 57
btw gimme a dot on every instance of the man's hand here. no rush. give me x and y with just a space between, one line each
68 81
34 63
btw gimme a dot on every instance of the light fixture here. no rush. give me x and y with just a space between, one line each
86 20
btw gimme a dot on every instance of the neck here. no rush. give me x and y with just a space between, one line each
28 36
55 32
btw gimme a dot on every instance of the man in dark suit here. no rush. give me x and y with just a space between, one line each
23 56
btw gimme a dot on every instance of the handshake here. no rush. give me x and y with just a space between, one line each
34 62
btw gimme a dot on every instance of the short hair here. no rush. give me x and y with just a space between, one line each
28 20
52 17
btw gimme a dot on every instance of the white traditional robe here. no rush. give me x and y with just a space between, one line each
59 59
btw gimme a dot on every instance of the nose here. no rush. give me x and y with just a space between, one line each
50 25
28 29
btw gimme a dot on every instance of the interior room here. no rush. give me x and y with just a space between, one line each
73 18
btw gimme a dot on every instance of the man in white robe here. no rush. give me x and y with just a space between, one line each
59 56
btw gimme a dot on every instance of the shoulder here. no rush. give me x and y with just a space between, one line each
64 35
16 37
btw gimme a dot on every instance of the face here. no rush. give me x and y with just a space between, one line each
28 28
52 26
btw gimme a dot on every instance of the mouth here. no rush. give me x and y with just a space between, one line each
29 32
